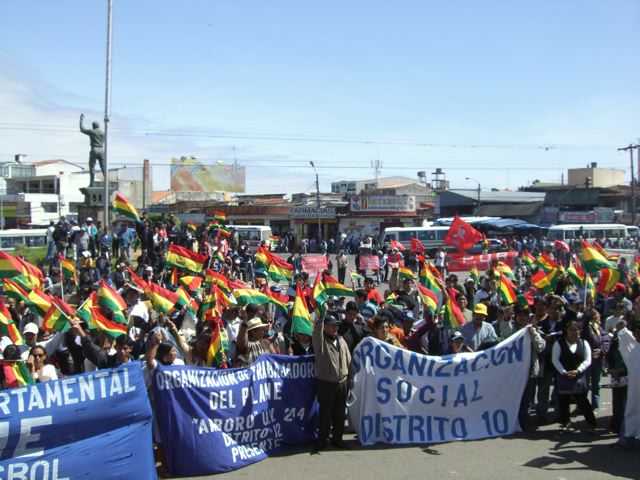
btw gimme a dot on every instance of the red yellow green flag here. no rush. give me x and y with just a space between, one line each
429 299
608 279
507 290
35 276
163 300
84 311
186 259
453 317
13 290
279 299
9 266
528 259
405 273
174 276
217 347
301 318
546 263
220 216
125 208
594 261
16 373
109 327
245 296
473 273
55 319
541 281
335 288
39 302
109 299
191 284
68 268
7 326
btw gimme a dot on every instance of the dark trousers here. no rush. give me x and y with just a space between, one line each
332 398
583 403
618 402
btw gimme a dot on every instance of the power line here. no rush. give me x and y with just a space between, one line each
305 138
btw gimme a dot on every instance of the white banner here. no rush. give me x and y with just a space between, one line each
405 397
630 351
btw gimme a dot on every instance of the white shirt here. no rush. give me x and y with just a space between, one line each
555 355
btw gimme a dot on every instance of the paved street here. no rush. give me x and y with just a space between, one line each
544 454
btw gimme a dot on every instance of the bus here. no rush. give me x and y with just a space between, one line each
10 239
254 235
633 232
587 231
431 237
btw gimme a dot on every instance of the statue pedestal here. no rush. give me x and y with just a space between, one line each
93 205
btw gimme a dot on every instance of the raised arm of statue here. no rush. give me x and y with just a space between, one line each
82 129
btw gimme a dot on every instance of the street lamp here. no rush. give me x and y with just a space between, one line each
318 201
478 201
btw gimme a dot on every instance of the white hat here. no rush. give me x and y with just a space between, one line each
149 268
86 254
30 328
255 322
89 219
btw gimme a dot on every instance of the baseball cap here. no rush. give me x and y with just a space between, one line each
31 328
456 336
480 309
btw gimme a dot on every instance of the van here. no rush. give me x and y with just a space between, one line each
254 235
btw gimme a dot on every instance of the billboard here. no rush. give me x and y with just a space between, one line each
188 174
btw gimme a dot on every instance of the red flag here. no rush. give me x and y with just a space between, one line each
560 245
396 245
417 246
461 235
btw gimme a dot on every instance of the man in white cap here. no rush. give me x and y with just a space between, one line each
30 334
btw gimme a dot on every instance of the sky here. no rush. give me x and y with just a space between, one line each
501 92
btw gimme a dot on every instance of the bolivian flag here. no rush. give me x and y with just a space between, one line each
9 266
453 317
318 292
68 268
594 261
110 299
125 208
184 299
174 277
528 260
55 319
84 311
7 326
429 299
301 318
33 274
191 284
405 273
473 273
280 270
507 290
355 276
220 216
608 279
186 259
541 281
546 263
13 290
16 373
214 277
39 302
279 299
163 300
428 279
192 227
245 296
503 268
109 327
217 347
334 287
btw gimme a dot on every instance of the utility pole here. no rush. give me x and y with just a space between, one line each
631 148
318 201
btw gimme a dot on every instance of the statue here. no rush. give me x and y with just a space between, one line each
97 148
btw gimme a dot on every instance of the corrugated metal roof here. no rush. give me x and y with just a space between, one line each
501 197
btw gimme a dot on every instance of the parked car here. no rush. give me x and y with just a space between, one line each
495 245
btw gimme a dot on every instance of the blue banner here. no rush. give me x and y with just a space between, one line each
213 421
96 425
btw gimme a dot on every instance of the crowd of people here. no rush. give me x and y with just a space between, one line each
573 327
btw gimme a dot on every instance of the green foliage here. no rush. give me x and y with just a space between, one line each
33 255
